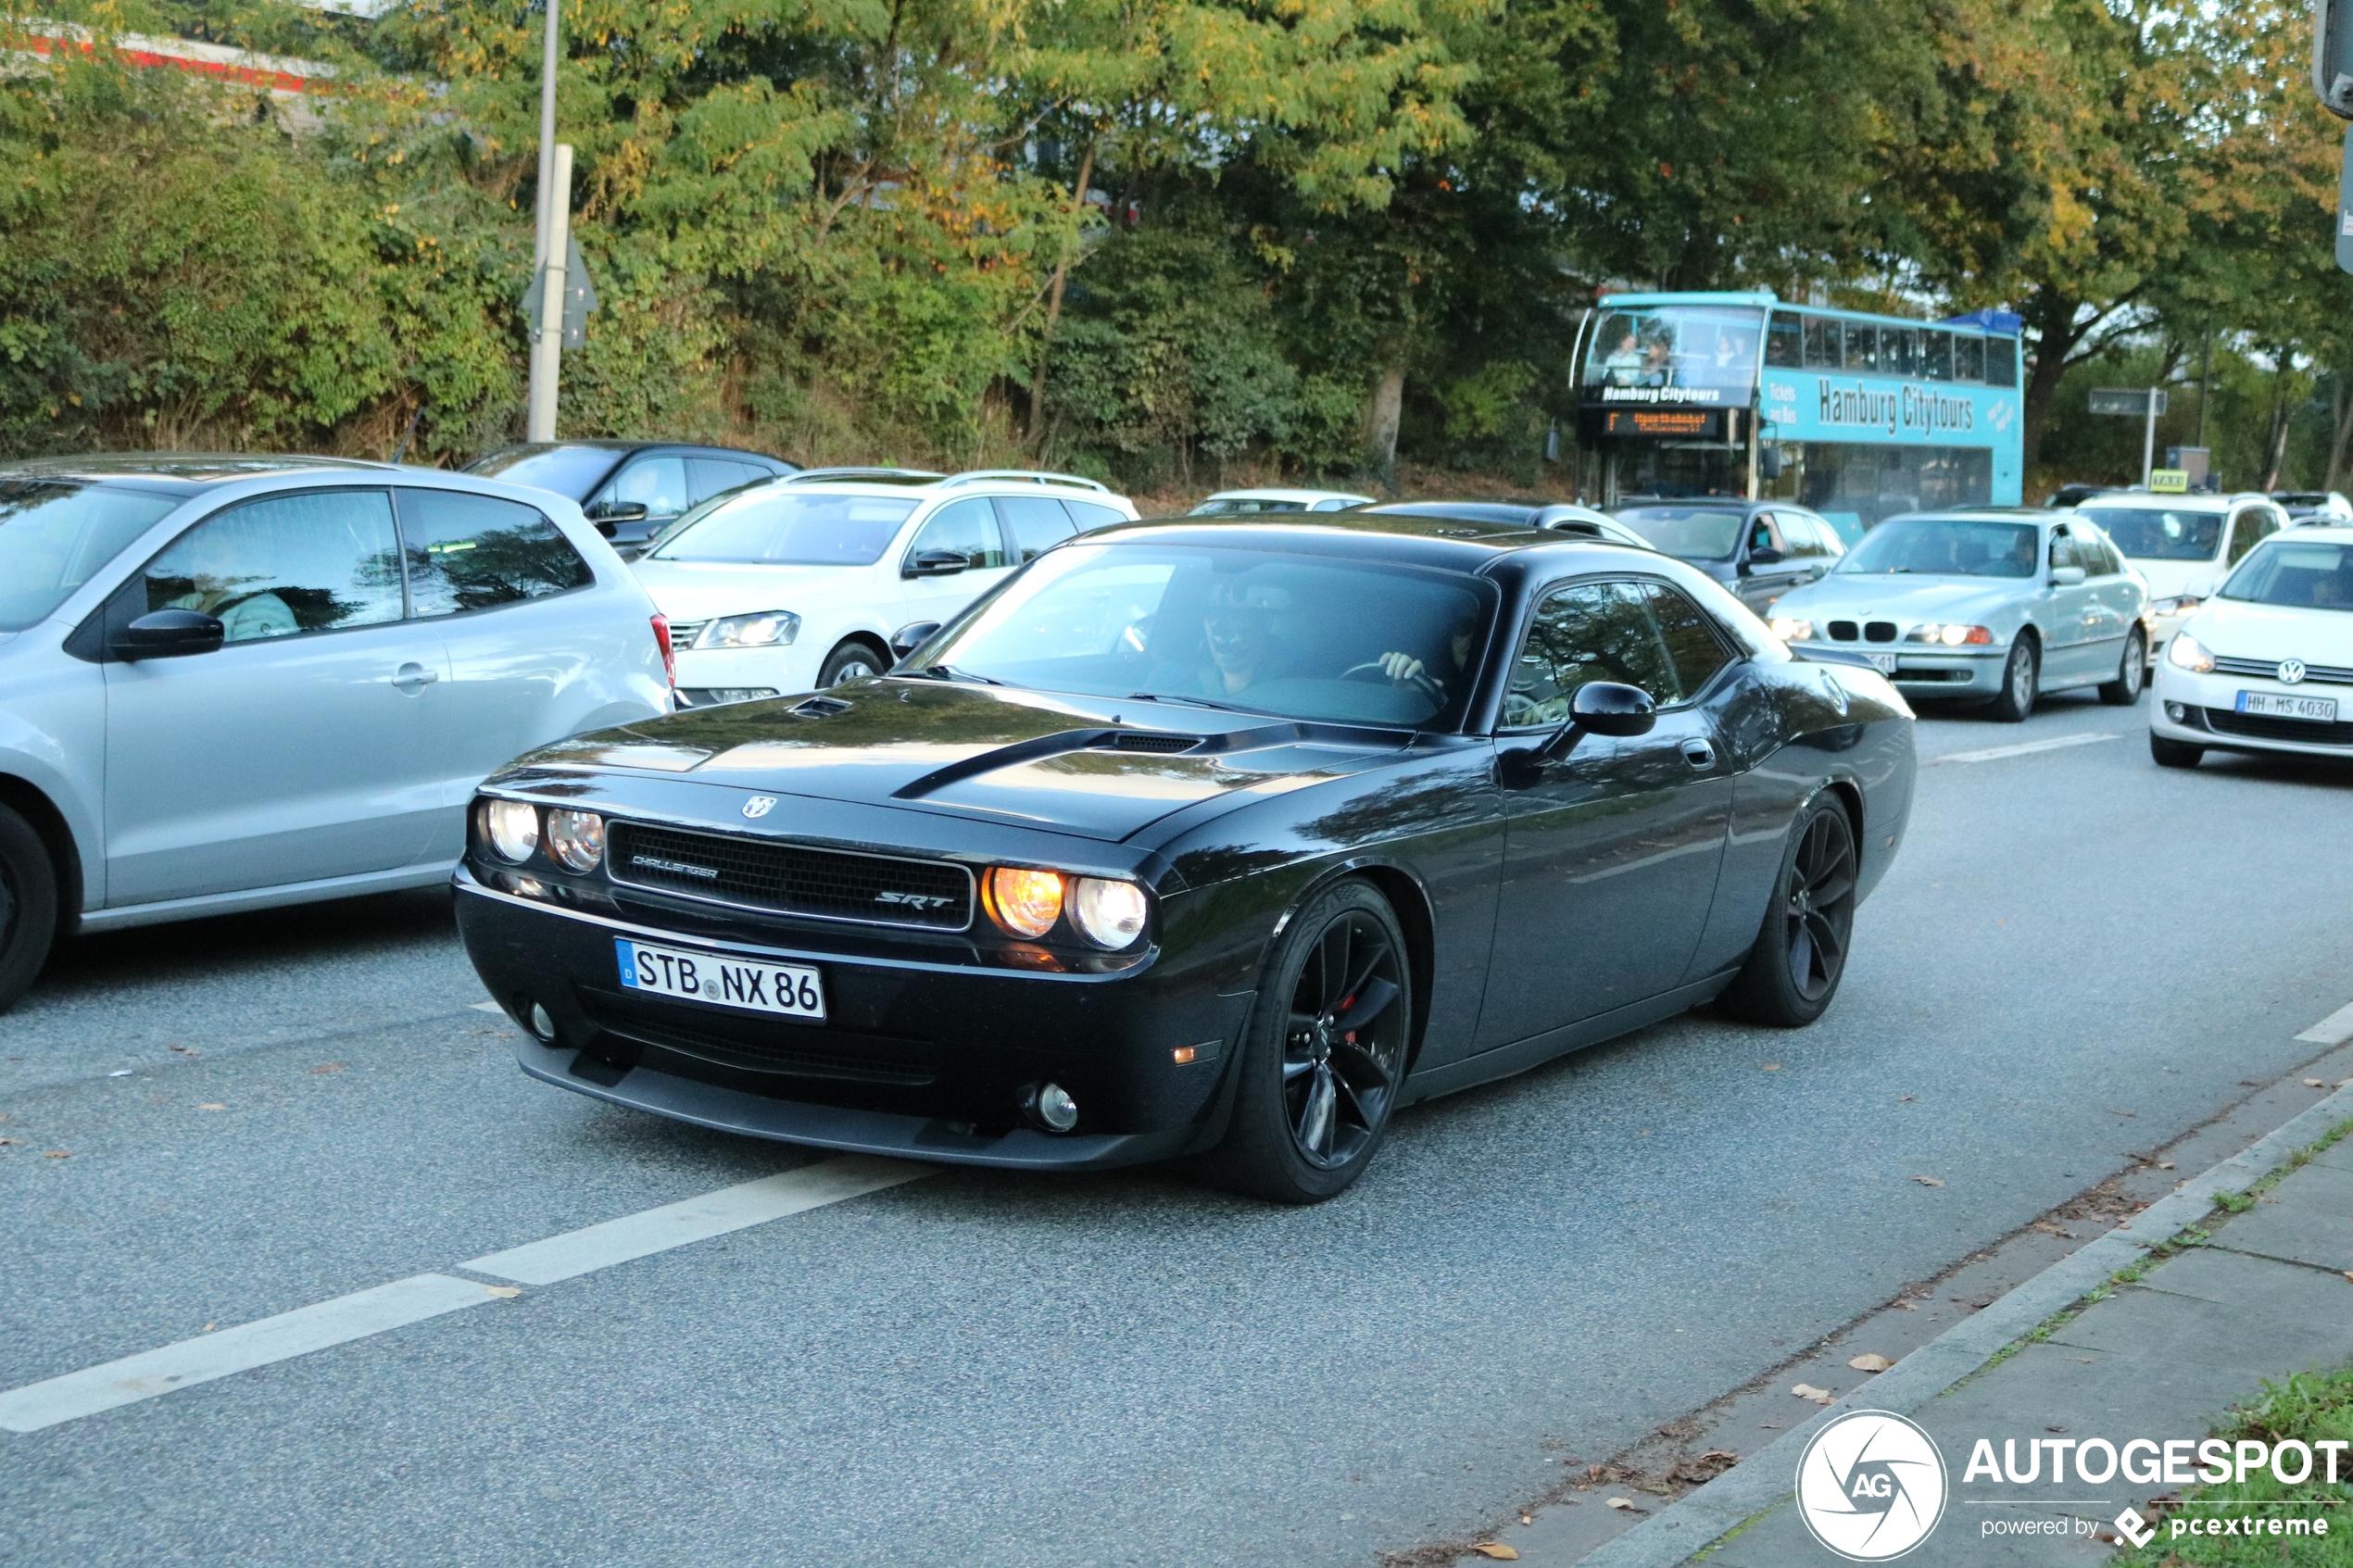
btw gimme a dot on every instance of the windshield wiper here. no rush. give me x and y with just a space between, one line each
950 672
1190 701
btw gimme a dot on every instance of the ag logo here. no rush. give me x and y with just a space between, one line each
1871 1485
760 806
2291 671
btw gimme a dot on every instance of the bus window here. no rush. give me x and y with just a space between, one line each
2001 361
1862 346
1899 350
1822 345
1936 355
1675 346
1968 357
1782 348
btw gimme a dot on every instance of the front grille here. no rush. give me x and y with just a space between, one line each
756 1044
2258 726
2269 669
1130 741
790 878
1844 632
1880 632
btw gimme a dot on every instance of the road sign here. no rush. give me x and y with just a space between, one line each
2130 402
580 297
2169 481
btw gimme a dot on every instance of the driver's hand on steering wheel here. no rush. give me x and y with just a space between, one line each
1400 666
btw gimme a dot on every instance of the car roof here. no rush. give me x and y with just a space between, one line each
1718 503
2311 533
982 482
1455 543
187 473
1281 493
624 448
2178 500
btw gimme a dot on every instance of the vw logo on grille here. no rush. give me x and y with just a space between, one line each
2291 671
760 806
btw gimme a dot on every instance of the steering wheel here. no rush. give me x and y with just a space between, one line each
1428 687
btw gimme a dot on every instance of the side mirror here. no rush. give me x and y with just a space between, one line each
170 634
908 638
1765 554
937 563
2066 576
1600 708
605 512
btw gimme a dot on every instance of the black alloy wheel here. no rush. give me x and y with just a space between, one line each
1793 971
2132 673
28 906
1326 1053
2021 683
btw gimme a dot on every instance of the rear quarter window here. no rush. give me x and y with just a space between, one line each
478 552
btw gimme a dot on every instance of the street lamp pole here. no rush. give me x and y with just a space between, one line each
2148 440
548 347
545 396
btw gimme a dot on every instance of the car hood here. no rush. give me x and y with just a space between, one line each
1902 596
2171 579
1098 767
691 591
2234 629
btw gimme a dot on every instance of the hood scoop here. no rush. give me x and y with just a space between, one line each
820 706
1133 740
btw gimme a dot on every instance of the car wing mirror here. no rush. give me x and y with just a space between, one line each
908 638
937 563
1599 707
2067 576
616 512
170 634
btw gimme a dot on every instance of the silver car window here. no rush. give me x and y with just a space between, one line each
317 560
473 552
56 535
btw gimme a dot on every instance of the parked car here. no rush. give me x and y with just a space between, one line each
1199 837
2304 507
1758 549
630 490
2181 546
2266 663
2067 496
1554 517
231 683
830 574
1996 603
1250 503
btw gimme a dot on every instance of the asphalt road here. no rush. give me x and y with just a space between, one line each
2077 955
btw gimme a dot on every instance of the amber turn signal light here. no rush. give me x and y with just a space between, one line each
1024 902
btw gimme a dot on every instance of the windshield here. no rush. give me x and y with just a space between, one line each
1248 505
55 534
1945 546
570 472
1302 636
1694 533
2160 533
795 528
1690 345
2303 575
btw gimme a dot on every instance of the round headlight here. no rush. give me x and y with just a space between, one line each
2185 652
578 839
1791 629
514 827
1109 914
1025 902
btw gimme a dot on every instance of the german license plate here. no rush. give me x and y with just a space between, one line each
1883 663
793 990
2314 710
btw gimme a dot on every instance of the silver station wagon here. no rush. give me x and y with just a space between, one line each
1994 604
228 682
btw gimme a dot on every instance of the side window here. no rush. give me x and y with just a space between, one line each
657 484
1589 632
1968 357
1936 355
1798 536
470 552
1783 341
319 560
2063 551
2248 529
1862 346
1833 545
1091 515
1764 536
967 528
2001 361
1822 344
1691 643
1034 523
707 477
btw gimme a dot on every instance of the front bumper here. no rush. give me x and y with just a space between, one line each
777 671
926 1056
1924 671
2203 710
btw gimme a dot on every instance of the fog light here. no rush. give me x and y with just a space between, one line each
2175 711
1025 902
540 1023
1054 1107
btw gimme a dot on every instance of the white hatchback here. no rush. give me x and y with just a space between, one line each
831 574
2182 544
2267 663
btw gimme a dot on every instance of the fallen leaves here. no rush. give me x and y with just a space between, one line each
1772 1067
57 1154
184 1050
2165 1164
2314 1084
1807 1391
1497 1550
1905 1306
2349 1273
1930 1181
1621 1503
504 1292
212 1105
328 1067
1906 1099
2047 1228
1871 1361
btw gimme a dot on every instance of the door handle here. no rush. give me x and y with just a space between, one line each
1699 754
411 677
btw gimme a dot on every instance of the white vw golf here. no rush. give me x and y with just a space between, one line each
2267 663
831 574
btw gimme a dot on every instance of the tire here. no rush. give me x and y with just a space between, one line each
28 906
1792 974
1314 1100
2175 753
2132 673
852 661
2021 683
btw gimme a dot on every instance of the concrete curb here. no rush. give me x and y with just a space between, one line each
1766 1478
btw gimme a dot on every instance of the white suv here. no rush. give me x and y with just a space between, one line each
829 574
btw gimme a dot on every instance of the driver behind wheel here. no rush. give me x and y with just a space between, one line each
1441 671
1240 628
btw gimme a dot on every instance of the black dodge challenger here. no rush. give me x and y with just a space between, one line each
1208 839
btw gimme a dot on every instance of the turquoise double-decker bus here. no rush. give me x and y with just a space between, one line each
1856 416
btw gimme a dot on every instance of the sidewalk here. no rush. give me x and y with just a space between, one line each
2195 1329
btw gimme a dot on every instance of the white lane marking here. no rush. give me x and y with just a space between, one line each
697 1219
1995 753
2334 1030
151 1373
485 1007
